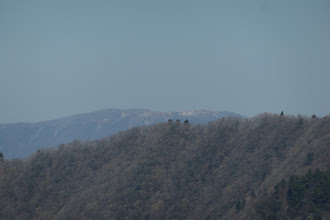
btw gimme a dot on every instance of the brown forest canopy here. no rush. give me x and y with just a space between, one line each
230 169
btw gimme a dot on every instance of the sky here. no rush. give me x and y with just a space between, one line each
64 57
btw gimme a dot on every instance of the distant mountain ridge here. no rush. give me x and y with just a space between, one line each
21 139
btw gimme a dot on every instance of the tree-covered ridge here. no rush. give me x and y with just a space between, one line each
171 170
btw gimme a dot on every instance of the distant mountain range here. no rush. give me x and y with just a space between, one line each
21 139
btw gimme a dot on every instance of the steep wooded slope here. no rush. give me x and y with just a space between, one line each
223 170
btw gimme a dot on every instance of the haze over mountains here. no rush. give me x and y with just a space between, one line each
21 139
59 58
266 167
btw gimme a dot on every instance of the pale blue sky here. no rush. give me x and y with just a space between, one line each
59 58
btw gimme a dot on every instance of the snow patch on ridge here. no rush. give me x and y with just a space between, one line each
187 113
146 114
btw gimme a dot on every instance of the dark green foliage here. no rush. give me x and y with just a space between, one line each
1 155
296 192
309 193
252 194
283 183
305 196
238 206
310 158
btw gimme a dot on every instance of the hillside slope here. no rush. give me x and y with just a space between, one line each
22 139
228 169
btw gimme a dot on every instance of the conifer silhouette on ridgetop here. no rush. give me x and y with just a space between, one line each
1 157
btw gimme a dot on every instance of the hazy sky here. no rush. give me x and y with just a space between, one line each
59 58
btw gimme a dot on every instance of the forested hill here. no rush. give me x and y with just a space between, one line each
22 139
266 167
